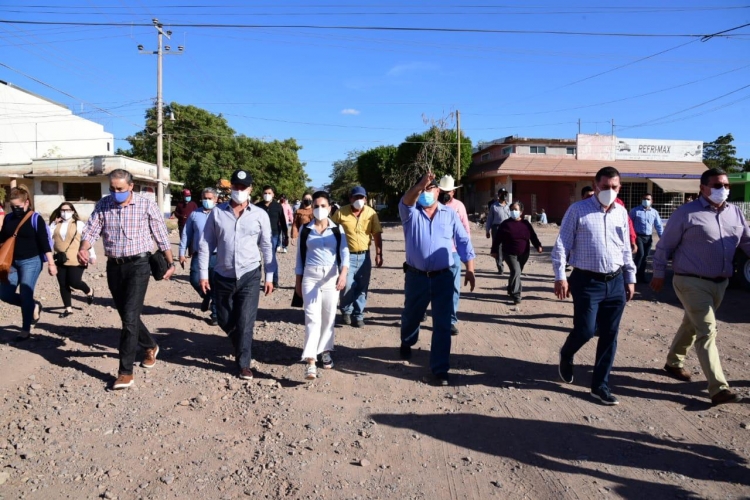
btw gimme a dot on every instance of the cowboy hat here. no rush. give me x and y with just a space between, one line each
447 184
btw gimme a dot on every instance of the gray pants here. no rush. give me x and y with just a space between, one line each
515 264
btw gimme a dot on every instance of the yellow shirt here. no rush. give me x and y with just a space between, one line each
358 230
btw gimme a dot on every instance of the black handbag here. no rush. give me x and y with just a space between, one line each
61 258
159 265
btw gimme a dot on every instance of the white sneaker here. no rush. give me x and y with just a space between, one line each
327 361
283 250
311 372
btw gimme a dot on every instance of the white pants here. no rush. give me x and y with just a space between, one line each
320 297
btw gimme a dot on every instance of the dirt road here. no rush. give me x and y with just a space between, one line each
505 428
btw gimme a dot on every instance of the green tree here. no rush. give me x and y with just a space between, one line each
722 154
344 177
746 166
374 165
200 148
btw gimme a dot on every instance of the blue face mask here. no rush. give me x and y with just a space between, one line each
646 203
188 198
426 199
208 204
120 196
515 214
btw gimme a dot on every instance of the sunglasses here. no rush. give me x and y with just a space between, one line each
719 185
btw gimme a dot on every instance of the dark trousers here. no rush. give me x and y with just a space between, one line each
596 305
493 235
128 283
641 257
195 279
515 264
71 277
236 309
420 291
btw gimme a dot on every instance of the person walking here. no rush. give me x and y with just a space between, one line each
514 236
447 189
430 230
241 234
498 213
361 225
701 239
594 239
128 224
289 217
321 270
67 230
32 248
645 219
190 240
302 216
279 232
183 209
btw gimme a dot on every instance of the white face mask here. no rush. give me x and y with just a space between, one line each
719 196
321 213
267 197
358 204
607 197
66 215
515 214
240 197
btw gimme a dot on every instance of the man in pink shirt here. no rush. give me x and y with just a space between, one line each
447 191
288 215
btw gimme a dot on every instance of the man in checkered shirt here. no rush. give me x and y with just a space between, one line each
594 238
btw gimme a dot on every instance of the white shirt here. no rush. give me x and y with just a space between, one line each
64 232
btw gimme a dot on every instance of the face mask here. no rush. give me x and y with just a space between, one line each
240 197
267 197
646 203
445 198
306 203
606 197
358 204
426 199
188 198
18 211
515 214
208 204
719 196
320 213
66 215
120 196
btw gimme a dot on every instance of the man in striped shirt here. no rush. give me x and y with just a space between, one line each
594 238
128 223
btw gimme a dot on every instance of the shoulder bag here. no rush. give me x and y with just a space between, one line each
7 249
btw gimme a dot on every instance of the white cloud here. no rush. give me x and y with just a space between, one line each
349 111
414 67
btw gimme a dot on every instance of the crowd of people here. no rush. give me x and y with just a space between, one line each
232 247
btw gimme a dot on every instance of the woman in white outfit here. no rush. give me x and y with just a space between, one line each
321 274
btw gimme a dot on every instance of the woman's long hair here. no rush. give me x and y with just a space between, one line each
56 213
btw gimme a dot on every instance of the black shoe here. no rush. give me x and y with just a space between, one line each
565 369
276 284
65 314
516 301
212 321
90 298
454 329
405 351
206 303
346 319
358 323
438 379
605 397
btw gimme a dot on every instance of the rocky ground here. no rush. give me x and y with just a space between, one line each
505 428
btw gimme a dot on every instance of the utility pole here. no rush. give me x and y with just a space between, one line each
613 127
458 135
579 126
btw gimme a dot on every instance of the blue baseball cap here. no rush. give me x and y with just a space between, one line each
358 191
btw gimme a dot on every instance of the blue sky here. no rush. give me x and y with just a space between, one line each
340 90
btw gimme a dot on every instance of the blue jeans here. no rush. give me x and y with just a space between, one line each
24 274
456 270
236 308
195 276
354 296
420 291
596 305
274 245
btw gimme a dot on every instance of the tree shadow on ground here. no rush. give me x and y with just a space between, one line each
582 450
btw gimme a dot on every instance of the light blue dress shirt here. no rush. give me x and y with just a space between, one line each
429 242
321 249
645 220
497 215
193 231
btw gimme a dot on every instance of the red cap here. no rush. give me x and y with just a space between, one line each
186 192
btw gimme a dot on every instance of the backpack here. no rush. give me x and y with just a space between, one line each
303 243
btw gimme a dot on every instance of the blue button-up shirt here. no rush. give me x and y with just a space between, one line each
645 219
321 249
594 240
239 242
191 235
497 214
429 242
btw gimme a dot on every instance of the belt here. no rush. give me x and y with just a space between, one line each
714 280
359 253
429 274
130 258
645 235
601 276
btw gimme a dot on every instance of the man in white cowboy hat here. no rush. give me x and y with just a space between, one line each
447 197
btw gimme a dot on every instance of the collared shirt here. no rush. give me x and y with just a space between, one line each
239 242
359 229
193 231
702 240
321 249
645 219
594 240
460 209
429 242
498 213
127 230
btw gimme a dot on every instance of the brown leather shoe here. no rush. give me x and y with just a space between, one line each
725 396
149 360
246 374
678 372
122 382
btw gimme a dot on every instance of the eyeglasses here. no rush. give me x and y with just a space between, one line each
719 185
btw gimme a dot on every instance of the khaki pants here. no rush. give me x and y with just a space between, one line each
700 299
